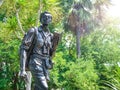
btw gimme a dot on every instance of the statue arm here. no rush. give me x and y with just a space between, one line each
25 46
23 58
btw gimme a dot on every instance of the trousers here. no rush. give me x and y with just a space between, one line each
39 73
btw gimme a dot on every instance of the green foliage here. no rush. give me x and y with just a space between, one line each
103 46
111 78
68 71
73 74
81 75
9 63
98 67
58 70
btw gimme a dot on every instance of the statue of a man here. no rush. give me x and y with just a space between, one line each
36 49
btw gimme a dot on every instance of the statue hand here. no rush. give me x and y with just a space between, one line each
23 74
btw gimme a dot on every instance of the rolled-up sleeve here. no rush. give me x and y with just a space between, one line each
28 39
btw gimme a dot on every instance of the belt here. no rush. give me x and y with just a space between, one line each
40 56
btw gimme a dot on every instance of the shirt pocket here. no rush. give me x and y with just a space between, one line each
40 41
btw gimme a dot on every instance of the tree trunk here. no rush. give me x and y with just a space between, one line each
78 41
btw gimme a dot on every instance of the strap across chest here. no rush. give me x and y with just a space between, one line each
46 38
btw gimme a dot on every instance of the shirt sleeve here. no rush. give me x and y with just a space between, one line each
28 39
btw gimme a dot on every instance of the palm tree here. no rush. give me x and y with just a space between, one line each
99 10
77 19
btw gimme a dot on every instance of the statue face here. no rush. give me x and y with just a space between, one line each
46 18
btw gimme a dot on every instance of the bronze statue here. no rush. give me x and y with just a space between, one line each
36 51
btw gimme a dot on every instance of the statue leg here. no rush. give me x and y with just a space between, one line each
38 75
41 85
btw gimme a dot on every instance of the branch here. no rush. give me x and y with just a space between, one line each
39 12
19 23
17 36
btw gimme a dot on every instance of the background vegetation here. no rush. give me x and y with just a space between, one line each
88 55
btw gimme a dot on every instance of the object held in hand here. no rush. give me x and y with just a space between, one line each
56 39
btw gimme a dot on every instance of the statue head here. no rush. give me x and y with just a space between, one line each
45 18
